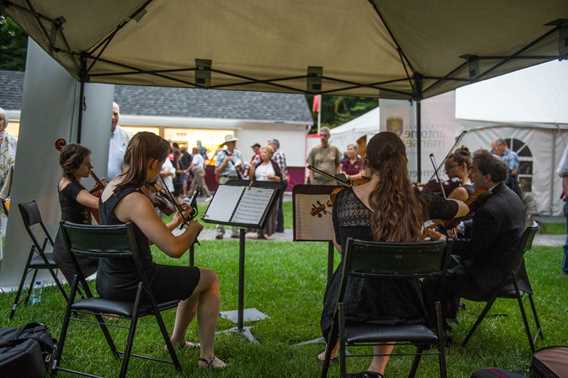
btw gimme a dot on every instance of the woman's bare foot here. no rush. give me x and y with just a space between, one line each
211 363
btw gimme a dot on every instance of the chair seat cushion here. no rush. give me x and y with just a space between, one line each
37 260
365 332
105 306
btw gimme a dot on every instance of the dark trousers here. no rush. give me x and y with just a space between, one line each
280 216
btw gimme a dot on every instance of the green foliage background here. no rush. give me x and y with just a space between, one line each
13 44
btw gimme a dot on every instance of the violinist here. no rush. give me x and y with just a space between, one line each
75 202
386 208
458 167
124 201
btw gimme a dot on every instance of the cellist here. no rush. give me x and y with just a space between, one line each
75 202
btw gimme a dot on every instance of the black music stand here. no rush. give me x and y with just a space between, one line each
312 209
242 204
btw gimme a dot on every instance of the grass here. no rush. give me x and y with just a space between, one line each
553 228
286 280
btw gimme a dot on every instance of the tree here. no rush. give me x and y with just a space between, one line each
337 110
13 45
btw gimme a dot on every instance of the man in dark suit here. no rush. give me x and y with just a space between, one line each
496 230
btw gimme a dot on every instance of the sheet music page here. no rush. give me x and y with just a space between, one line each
313 219
253 204
221 207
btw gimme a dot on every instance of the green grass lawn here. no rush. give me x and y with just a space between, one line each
553 228
286 280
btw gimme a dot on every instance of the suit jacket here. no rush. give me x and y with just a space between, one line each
495 239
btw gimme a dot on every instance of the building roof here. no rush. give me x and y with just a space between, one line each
182 102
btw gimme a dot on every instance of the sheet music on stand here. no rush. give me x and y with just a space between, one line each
239 203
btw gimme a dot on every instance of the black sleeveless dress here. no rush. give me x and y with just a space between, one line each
117 279
380 301
72 211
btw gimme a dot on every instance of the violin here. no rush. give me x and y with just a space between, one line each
166 194
97 190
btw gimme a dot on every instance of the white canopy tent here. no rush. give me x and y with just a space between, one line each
364 125
539 146
410 49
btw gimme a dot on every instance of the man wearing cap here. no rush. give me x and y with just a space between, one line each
117 145
228 165
280 158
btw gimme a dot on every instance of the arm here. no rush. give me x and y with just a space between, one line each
87 199
138 209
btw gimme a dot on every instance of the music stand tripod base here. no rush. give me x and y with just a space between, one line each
249 315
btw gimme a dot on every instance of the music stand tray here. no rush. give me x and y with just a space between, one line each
245 205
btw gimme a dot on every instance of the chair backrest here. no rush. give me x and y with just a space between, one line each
31 216
30 213
395 260
99 241
528 237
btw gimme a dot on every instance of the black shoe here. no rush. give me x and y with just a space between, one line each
366 374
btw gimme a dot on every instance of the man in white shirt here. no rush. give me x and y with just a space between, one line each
168 173
117 145
197 168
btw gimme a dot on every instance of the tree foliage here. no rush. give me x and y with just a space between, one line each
337 110
13 45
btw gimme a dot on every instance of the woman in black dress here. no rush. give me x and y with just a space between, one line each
124 200
387 209
458 166
75 201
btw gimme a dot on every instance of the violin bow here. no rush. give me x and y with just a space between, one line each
433 161
458 141
173 200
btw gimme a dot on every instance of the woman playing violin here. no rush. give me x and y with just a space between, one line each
458 166
75 201
386 208
124 201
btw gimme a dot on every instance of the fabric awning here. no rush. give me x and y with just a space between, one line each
395 48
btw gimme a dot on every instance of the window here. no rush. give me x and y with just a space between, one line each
525 174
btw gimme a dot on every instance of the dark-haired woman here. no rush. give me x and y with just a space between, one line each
75 201
124 201
387 209
458 166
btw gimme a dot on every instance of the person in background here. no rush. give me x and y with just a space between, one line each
7 161
182 168
202 150
563 173
176 155
253 161
197 169
352 165
267 170
117 145
324 157
279 158
511 159
229 165
168 174
75 202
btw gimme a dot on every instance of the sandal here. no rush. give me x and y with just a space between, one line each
212 363
332 359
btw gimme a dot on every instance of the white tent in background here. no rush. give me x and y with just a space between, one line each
365 125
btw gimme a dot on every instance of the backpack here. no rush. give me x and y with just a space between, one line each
26 351
551 362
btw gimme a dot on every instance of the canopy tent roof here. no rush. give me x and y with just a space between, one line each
349 132
392 48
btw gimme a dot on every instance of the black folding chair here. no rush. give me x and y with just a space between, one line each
40 255
397 261
114 242
516 288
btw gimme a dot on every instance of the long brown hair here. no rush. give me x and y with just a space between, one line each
397 212
71 157
142 149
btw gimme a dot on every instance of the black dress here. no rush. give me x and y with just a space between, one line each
117 279
381 301
72 211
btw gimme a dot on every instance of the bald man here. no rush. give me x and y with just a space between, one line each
117 144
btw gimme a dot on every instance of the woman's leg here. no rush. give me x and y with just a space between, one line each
379 363
206 300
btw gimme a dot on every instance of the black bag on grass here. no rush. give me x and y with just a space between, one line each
551 362
495 373
26 351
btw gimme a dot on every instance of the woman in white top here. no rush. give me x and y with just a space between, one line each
267 170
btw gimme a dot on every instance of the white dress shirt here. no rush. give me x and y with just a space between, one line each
117 147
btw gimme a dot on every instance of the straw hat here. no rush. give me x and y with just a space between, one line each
228 139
